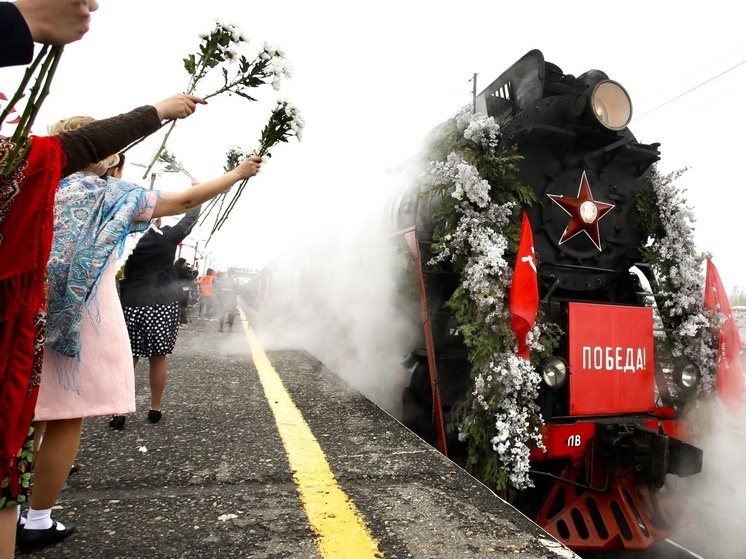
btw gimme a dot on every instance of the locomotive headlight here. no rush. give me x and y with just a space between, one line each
554 372
686 375
611 105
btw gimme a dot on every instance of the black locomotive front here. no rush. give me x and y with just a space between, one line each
610 441
579 157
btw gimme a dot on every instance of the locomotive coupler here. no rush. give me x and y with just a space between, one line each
653 454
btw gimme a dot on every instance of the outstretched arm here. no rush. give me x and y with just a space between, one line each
184 227
172 203
101 138
16 42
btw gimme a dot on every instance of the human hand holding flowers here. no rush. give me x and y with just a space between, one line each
284 123
248 168
180 105
56 22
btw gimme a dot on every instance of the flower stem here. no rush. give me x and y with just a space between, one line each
18 95
160 149
38 94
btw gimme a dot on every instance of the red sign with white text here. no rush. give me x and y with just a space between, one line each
565 441
612 364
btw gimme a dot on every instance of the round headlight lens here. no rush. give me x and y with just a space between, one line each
554 372
611 105
687 376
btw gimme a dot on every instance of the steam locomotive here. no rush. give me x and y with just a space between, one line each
615 433
613 405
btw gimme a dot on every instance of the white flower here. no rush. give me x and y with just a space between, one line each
287 70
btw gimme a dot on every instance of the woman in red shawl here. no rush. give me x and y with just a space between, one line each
26 218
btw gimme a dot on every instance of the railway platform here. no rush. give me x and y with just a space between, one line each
268 454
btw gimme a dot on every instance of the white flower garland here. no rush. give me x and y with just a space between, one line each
510 387
674 258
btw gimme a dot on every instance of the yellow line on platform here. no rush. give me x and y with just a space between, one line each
340 530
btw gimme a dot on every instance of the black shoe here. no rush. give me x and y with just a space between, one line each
117 422
19 529
30 540
74 469
154 416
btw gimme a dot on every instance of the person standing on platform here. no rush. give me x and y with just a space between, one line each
26 214
227 299
186 279
116 169
151 294
205 294
87 367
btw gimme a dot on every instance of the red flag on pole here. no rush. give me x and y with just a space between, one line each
524 291
729 379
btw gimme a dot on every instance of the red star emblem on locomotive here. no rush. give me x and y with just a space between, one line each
584 213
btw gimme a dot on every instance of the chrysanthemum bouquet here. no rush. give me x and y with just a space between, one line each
284 123
219 49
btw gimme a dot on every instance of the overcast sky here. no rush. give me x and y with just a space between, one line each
371 79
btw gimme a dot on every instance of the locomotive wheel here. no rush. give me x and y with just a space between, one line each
668 507
417 415
417 403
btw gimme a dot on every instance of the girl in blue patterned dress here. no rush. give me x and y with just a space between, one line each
87 369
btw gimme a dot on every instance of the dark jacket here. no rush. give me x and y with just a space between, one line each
16 43
225 290
149 274
186 279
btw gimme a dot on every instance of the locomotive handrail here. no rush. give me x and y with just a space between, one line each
660 380
584 268
575 483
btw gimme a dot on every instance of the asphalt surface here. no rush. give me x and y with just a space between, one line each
212 479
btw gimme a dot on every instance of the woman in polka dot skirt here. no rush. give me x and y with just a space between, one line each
150 293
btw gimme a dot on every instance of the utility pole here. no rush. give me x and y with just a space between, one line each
474 93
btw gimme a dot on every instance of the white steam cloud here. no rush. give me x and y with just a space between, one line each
340 296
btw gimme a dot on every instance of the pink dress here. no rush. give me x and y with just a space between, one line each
106 376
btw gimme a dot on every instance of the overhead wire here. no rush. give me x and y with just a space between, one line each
690 90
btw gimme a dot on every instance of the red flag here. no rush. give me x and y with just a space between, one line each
524 291
729 380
